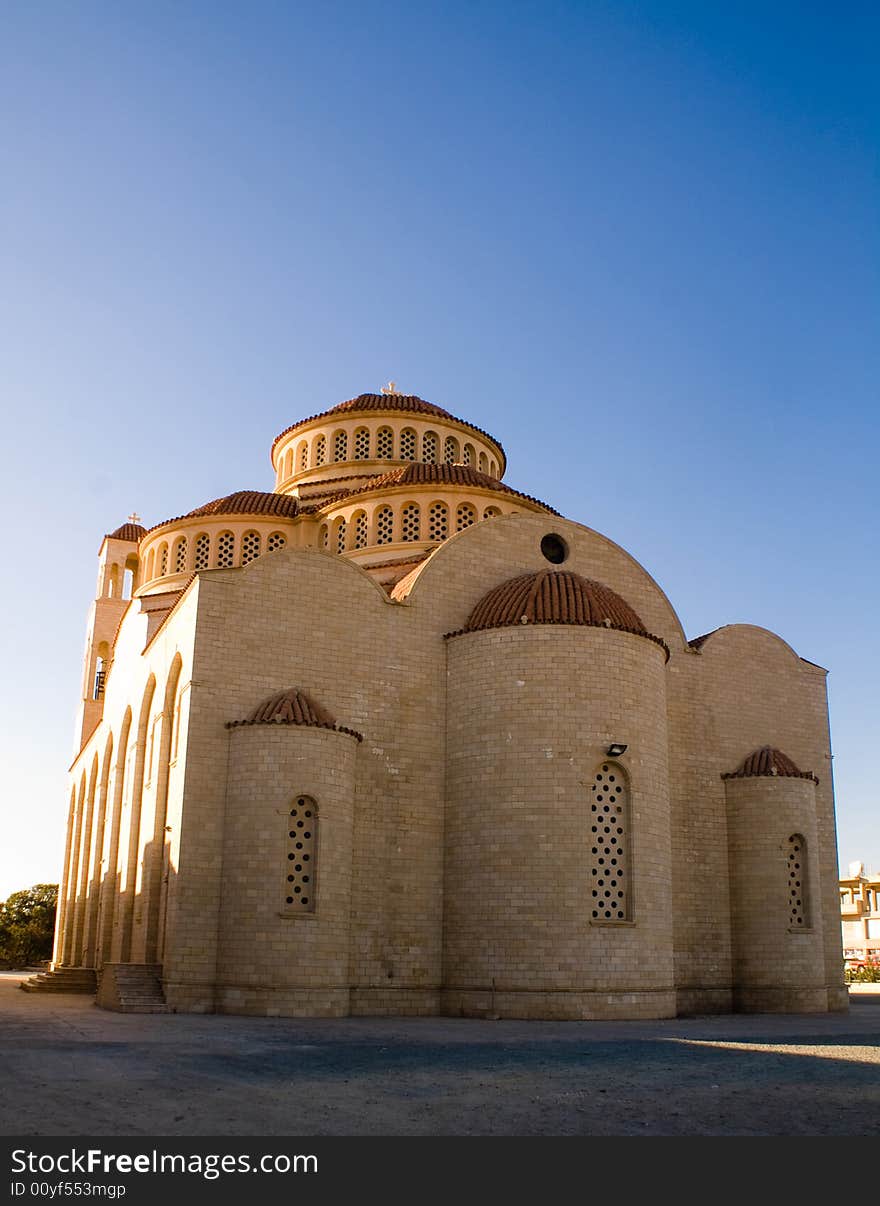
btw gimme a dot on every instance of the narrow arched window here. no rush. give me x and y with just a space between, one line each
303 456
288 463
362 444
250 547
491 513
384 525
385 444
151 562
438 521
407 444
360 530
484 463
320 450
163 560
429 448
324 536
450 454
203 550
609 860
468 454
180 555
225 550
465 516
300 862
276 541
410 522
340 446
798 902
339 541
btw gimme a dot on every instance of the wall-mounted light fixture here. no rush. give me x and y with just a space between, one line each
616 749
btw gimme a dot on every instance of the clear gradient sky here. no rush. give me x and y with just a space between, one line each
638 242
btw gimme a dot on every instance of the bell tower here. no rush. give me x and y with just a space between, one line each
117 580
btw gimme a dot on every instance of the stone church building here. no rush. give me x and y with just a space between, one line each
395 738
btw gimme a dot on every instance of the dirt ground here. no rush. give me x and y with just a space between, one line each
79 1070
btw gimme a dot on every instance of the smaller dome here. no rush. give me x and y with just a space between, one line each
553 597
556 597
242 502
292 707
419 473
769 761
127 531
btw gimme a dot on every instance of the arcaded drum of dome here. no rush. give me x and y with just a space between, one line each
769 761
554 597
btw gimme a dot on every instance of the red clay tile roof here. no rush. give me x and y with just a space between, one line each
292 707
769 761
387 402
556 597
127 531
419 474
243 502
698 642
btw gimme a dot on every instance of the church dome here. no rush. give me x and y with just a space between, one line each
769 761
421 474
404 404
127 531
556 597
292 707
249 502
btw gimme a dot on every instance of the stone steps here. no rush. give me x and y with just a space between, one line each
63 979
132 988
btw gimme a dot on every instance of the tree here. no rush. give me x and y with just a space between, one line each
27 925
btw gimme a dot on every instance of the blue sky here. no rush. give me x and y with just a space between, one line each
638 242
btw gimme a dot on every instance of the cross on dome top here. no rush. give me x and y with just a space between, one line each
390 388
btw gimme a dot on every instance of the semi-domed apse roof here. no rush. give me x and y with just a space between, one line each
292 706
556 597
127 531
418 473
242 502
408 403
769 761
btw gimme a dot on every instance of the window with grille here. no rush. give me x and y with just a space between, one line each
609 844
409 522
163 560
340 536
450 454
465 516
468 457
385 443
320 450
180 556
324 536
384 525
203 550
303 456
250 547
797 882
429 448
407 444
484 463
362 444
300 864
438 521
276 541
225 550
491 513
340 446
360 530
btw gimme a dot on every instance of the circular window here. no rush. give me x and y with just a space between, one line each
554 548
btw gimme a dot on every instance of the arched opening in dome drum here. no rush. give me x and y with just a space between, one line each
554 548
